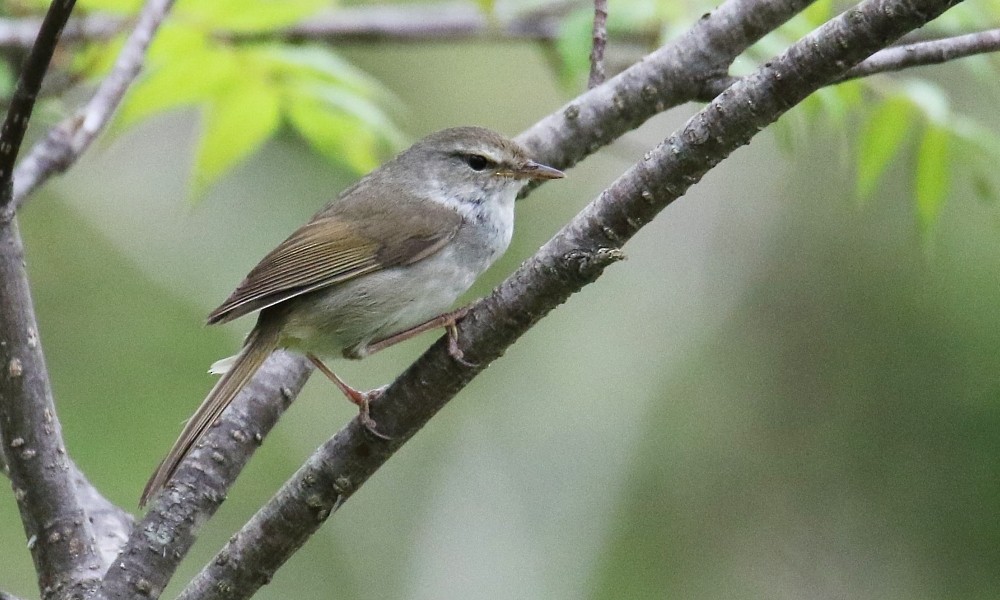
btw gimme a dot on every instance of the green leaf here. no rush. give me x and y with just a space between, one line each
235 124
338 136
351 104
882 136
932 175
196 75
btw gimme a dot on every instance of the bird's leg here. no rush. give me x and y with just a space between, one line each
446 320
361 399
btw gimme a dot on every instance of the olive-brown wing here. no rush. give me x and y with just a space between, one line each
335 248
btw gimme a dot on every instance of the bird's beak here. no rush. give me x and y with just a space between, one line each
533 170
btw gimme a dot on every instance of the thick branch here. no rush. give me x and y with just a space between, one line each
45 483
60 536
65 142
577 255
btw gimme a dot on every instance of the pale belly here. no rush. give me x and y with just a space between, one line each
350 315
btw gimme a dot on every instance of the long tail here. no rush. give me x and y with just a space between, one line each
263 340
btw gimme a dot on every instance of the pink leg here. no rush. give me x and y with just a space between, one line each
361 399
446 320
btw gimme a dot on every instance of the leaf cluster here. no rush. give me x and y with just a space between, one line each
246 91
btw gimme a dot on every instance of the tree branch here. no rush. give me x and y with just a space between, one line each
600 40
65 142
397 23
421 23
46 484
673 75
926 53
20 33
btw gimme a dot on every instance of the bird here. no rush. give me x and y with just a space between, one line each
381 263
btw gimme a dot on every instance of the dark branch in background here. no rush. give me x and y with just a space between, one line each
20 33
6 596
927 53
60 536
65 142
424 22
664 79
600 40
29 82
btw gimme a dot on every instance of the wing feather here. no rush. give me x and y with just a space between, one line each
333 248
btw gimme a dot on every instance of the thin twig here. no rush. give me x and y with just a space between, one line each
927 53
65 142
896 58
600 40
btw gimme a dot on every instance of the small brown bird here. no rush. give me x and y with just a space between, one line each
378 265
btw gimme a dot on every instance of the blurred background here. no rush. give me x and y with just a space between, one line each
783 393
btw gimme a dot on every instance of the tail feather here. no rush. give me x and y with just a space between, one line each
258 346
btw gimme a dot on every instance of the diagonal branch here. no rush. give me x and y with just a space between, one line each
65 142
931 52
664 79
576 256
904 56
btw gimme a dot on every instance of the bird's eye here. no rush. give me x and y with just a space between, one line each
477 162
